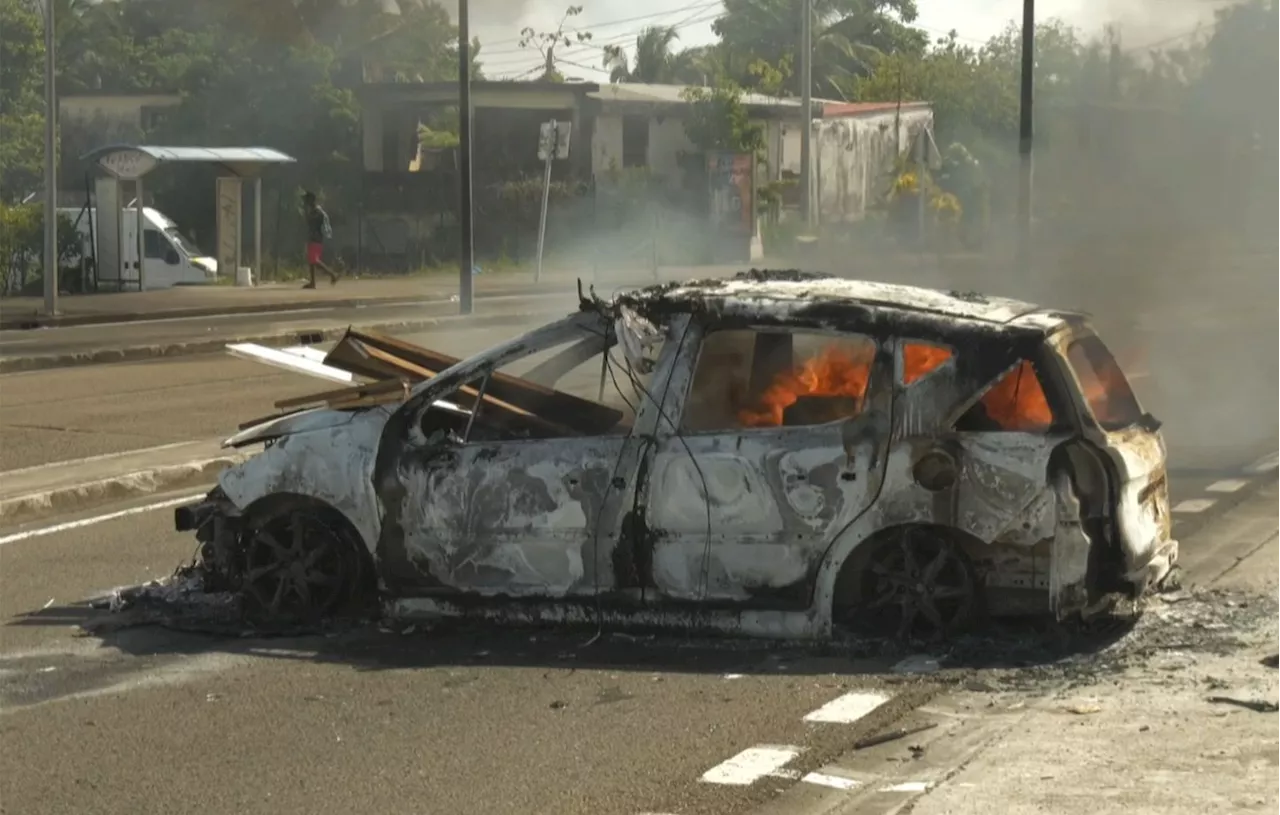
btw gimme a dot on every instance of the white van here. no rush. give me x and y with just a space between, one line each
169 258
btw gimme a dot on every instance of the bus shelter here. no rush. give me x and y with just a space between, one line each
129 164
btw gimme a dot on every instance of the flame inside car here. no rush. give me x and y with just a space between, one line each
1016 403
838 370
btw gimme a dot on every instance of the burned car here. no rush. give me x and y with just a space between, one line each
773 454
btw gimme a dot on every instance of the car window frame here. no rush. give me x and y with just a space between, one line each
706 328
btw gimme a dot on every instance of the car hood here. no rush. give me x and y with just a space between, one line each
291 424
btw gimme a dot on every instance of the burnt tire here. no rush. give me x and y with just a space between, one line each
303 563
915 584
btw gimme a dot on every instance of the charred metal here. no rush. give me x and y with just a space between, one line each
774 454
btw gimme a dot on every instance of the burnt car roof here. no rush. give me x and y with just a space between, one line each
800 293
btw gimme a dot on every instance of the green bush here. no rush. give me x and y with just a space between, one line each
22 249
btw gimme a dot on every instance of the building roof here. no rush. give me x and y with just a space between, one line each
654 94
794 292
221 155
837 110
136 160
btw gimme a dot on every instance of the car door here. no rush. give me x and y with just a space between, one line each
977 428
527 510
778 443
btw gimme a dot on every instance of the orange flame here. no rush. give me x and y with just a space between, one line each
919 360
1017 402
836 371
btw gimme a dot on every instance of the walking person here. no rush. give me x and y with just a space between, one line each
318 229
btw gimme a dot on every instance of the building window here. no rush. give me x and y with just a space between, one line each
635 141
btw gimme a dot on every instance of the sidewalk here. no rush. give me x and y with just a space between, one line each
48 489
1156 737
200 301
203 301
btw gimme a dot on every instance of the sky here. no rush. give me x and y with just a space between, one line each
498 22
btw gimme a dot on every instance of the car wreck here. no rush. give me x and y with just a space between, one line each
775 454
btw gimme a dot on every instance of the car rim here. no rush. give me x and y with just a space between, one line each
295 565
918 586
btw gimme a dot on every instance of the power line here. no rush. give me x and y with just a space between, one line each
581 50
626 20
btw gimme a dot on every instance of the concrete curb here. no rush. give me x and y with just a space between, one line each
38 505
139 353
21 322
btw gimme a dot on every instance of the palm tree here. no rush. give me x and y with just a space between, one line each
654 61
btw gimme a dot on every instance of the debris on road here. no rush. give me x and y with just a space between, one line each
894 735
1256 705
1084 710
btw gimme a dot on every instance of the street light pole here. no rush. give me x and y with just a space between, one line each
806 106
1026 132
466 254
50 169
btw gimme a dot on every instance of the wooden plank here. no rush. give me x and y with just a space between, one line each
391 386
588 416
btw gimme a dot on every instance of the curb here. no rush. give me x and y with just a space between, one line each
140 353
38 505
28 322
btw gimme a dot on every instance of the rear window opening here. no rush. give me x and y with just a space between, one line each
1105 387
1015 404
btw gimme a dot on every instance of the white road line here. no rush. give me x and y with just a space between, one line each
1265 464
835 782
751 765
1227 485
847 709
110 516
1194 505
907 786
103 457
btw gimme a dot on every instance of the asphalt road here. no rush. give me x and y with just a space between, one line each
467 721
177 331
65 414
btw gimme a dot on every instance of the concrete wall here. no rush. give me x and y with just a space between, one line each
667 140
124 111
852 158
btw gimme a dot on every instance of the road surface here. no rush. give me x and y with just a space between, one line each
477 721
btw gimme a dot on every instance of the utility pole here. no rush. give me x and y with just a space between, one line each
806 105
466 254
50 169
1026 132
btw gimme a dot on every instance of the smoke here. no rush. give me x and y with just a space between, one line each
1142 22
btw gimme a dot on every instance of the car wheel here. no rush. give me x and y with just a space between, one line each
299 565
917 584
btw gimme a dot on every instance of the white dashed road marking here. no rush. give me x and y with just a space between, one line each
1193 505
751 765
847 709
833 781
908 786
1227 485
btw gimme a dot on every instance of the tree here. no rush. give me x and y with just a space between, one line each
717 120
546 43
848 36
21 94
654 60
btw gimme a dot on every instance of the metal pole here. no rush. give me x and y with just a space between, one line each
546 199
1026 132
806 106
257 231
50 168
140 220
466 254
